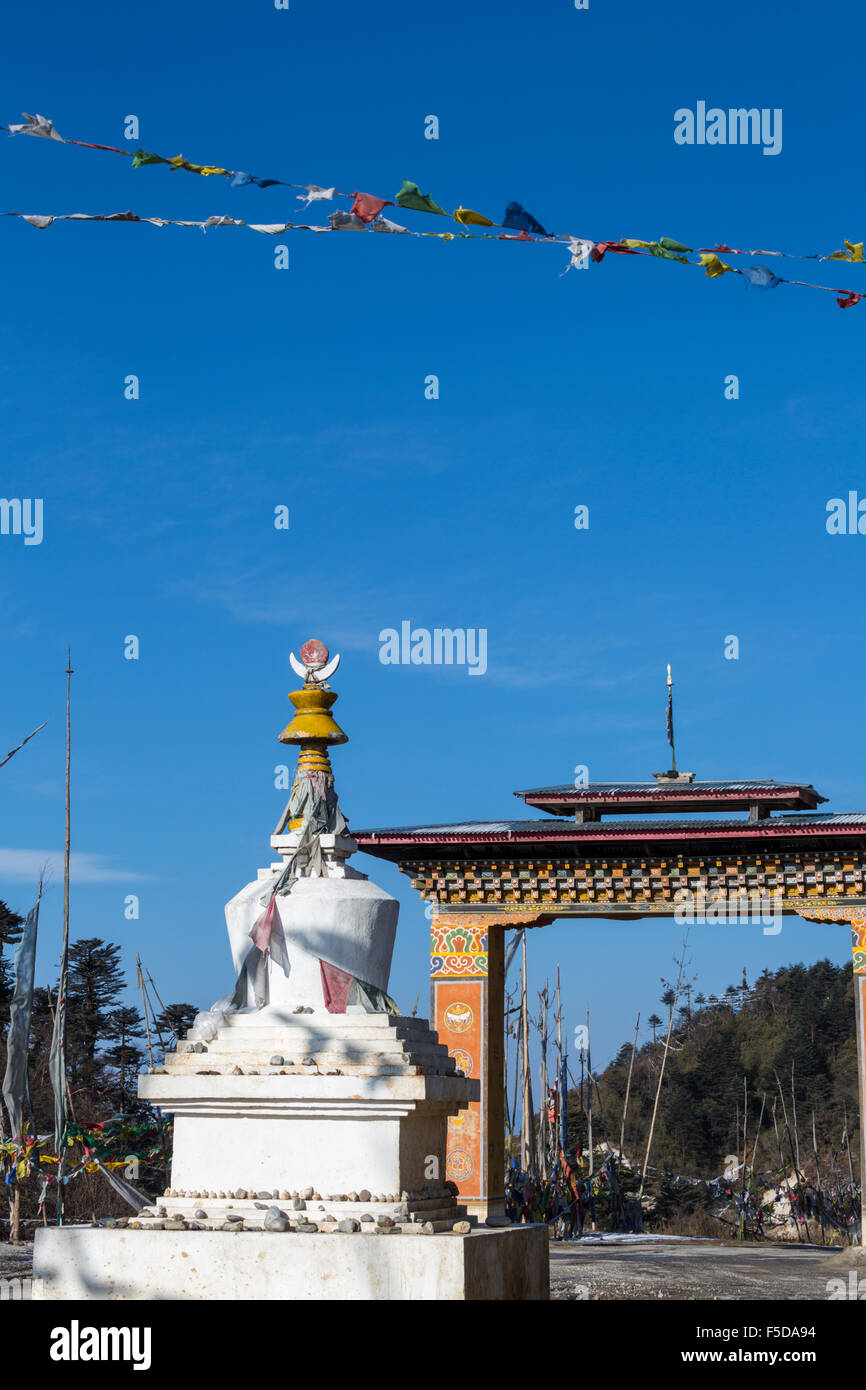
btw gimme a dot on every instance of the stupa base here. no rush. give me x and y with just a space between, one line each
87 1263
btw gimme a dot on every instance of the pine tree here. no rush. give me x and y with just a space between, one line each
174 1021
125 1028
10 935
96 982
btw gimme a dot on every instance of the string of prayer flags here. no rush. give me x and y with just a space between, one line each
581 250
367 208
519 220
410 196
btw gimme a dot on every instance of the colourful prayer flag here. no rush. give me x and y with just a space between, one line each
468 218
712 265
36 125
336 984
852 252
761 276
410 196
658 249
517 218
346 222
145 157
366 206
602 247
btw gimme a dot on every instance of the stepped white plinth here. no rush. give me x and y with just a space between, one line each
358 1101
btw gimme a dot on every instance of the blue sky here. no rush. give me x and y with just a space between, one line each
305 388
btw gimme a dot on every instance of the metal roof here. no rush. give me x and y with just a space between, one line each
595 799
661 788
561 831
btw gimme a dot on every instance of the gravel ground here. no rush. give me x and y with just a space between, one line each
703 1269
16 1261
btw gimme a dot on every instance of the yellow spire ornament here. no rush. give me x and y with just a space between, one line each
315 729
313 725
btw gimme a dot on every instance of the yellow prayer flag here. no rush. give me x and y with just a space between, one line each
180 163
469 218
629 241
712 265
851 253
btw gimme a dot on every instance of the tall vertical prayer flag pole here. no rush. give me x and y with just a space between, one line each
57 1062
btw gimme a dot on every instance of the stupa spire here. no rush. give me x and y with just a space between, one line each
313 725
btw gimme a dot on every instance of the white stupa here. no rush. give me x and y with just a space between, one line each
305 1106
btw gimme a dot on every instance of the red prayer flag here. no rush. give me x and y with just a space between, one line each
335 987
850 299
366 206
598 251
260 933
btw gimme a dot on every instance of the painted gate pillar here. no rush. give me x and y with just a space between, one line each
856 919
467 1009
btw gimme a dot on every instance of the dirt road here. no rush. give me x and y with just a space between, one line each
688 1271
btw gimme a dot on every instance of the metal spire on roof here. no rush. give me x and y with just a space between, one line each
673 776
670 721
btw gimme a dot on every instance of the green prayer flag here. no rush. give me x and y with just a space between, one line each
668 244
658 248
410 196
145 157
